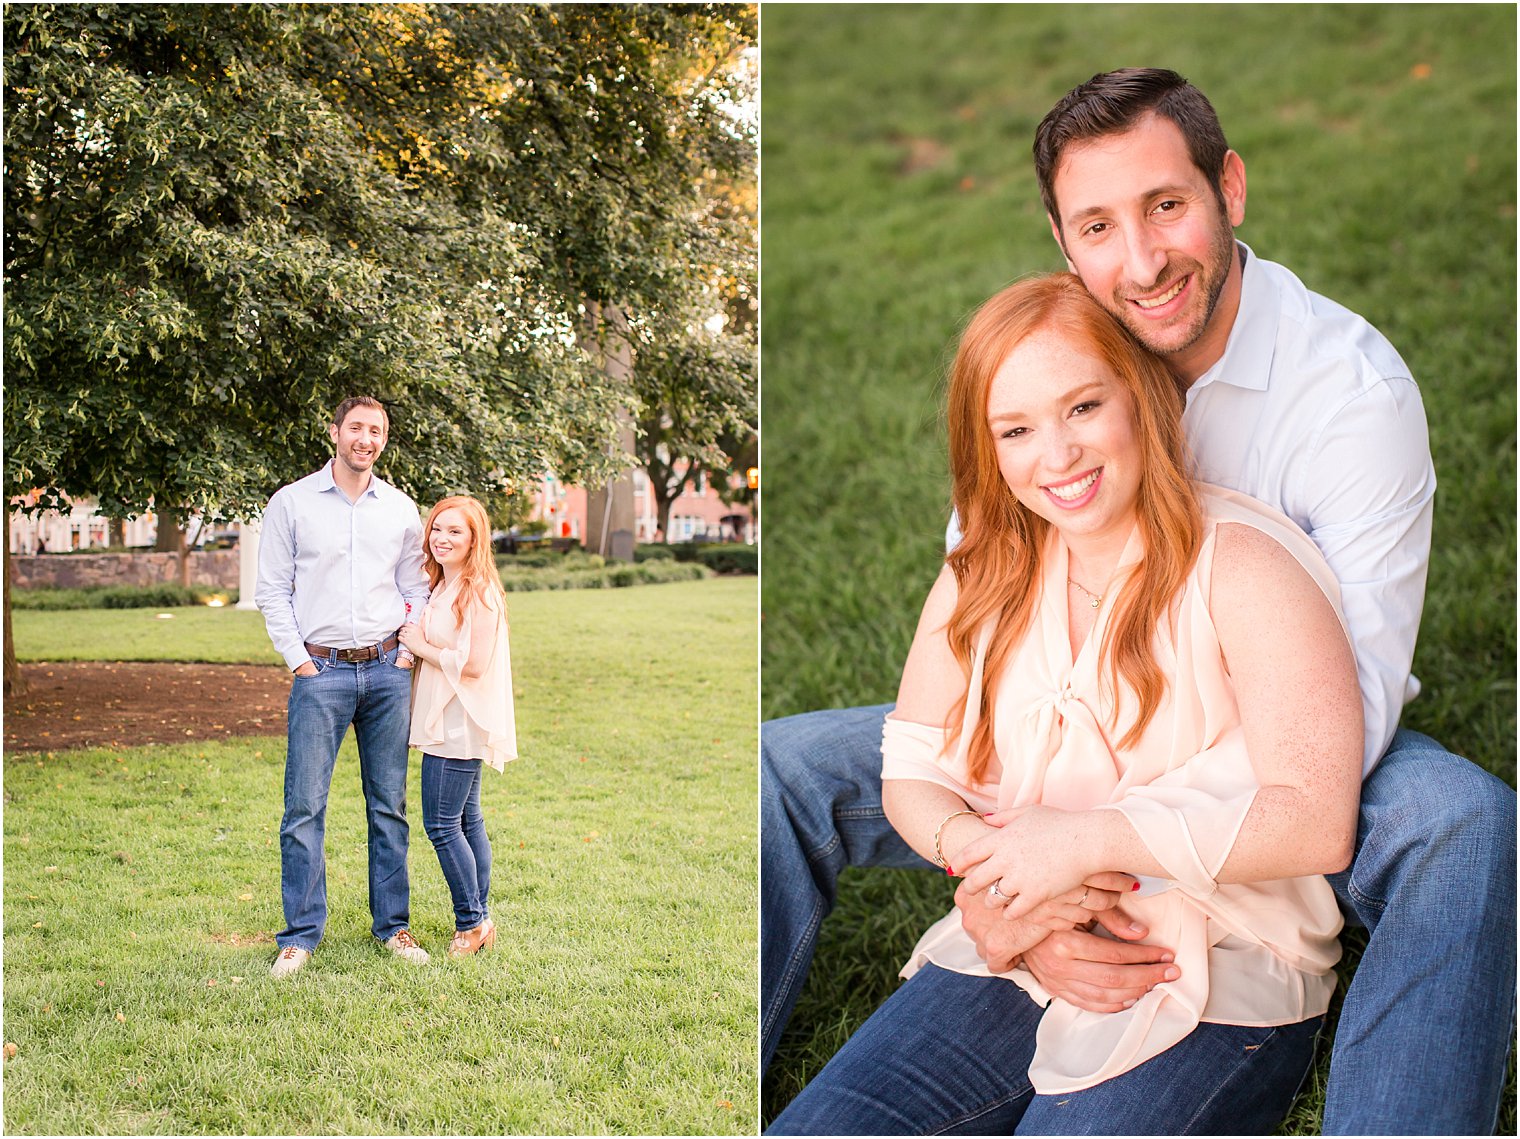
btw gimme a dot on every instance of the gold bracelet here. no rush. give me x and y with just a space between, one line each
939 855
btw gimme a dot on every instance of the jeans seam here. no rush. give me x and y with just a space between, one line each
823 852
986 1109
1377 905
1221 1084
793 964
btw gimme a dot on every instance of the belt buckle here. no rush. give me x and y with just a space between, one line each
352 656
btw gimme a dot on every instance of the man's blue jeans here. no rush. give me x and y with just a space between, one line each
948 1054
451 816
375 697
1424 1032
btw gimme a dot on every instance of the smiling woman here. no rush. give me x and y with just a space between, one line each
1046 750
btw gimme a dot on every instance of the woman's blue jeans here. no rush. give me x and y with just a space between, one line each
375 697
949 1054
1424 1033
451 816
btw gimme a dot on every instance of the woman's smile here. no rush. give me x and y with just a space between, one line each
1075 493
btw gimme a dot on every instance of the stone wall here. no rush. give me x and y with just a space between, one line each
79 571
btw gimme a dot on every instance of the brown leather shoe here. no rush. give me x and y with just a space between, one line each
468 942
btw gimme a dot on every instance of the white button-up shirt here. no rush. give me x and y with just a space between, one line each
1312 411
334 572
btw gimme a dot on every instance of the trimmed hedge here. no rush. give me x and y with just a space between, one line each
732 558
165 595
615 577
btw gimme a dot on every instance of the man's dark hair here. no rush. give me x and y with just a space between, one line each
354 401
1112 103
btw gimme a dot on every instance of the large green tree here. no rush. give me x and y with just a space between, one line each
221 219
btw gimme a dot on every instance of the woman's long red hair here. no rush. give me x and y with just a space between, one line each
477 576
997 564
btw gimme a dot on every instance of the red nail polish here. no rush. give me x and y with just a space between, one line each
948 872
1135 887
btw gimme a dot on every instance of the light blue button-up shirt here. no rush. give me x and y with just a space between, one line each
1312 411
334 572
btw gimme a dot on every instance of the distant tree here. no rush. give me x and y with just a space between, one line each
697 372
221 219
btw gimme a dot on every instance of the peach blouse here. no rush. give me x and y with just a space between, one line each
457 717
1258 953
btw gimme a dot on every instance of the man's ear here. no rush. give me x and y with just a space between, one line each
1055 232
1232 184
332 433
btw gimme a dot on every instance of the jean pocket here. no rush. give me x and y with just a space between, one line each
321 666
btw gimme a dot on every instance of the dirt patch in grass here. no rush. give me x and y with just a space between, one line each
70 704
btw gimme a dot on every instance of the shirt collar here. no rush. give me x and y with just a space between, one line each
1247 359
325 480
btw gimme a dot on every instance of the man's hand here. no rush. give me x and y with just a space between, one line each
1000 947
1098 974
997 939
307 669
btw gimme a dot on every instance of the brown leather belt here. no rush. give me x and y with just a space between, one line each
349 656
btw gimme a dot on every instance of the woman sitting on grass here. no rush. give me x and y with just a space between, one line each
1118 672
461 705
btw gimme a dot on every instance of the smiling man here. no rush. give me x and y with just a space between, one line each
340 561
1296 401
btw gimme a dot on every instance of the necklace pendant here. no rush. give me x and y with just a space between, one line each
1096 601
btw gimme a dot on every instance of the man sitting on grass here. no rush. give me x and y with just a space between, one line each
340 566
1300 403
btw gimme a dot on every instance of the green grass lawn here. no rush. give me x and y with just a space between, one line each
142 894
899 192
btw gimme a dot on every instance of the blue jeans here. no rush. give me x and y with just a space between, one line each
375 697
451 816
948 1054
1424 1033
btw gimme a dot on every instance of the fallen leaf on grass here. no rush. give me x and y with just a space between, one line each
1420 71
726 1104
245 897
36 925
122 1017
237 980
10 1050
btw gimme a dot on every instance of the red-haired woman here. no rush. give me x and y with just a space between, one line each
1131 705
461 705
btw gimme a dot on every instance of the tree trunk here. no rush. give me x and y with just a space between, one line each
117 538
609 510
15 683
662 505
170 539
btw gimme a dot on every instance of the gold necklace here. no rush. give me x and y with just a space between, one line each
1096 600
